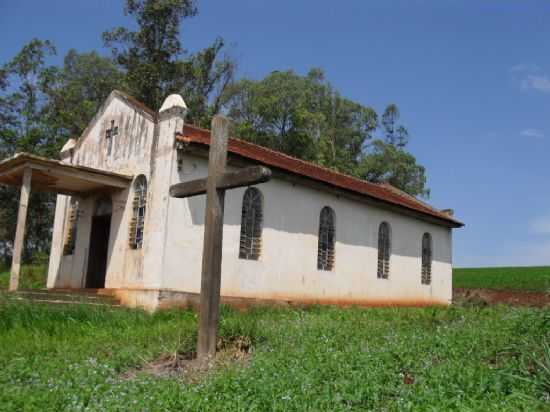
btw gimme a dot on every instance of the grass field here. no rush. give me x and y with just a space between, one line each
320 359
535 279
31 277
507 278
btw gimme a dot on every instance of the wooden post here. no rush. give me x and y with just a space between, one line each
215 185
20 230
213 239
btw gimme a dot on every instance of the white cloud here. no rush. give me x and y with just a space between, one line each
530 77
540 225
536 82
532 133
519 68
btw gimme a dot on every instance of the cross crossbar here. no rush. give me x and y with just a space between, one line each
244 177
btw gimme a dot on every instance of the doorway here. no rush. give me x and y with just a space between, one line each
99 244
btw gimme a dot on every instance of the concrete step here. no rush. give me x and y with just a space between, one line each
67 302
77 296
65 295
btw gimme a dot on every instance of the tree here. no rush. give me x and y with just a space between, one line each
346 131
149 55
155 63
305 117
26 71
204 77
42 106
277 112
22 101
391 164
302 116
75 92
394 134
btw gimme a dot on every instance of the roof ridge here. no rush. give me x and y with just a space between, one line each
383 185
132 100
333 173
382 191
306 162
402 193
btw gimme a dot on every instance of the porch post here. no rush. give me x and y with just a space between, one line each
20 231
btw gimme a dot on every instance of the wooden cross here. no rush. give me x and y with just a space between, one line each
215 185
109 134
113 131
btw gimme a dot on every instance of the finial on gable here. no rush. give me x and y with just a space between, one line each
67 150
70 144
174 103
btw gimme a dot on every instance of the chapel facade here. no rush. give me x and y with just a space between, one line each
309 235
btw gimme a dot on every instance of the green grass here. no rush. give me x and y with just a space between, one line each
320 359
508 278
31 276
535 279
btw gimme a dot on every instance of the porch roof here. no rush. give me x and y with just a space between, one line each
50 175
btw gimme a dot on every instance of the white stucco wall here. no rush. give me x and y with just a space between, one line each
131 155
287 268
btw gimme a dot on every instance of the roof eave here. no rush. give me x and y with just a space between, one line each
432 218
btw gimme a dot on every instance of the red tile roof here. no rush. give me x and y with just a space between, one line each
382 192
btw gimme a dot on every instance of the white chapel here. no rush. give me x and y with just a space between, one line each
308 235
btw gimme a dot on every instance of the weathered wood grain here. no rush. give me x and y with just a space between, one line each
215 185
213 239
244 177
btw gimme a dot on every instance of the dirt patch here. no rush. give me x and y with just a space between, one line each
493 297
187 367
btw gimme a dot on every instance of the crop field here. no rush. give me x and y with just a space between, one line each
535 279
493 358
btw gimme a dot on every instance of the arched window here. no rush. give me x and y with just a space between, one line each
138 218
251 224
426 259
384 250
327 235
70 240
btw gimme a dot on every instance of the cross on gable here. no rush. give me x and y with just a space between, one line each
215 185
113 131
109 133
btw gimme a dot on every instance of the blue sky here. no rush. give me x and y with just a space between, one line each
471 78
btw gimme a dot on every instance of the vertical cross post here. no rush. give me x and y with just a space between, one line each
20 230
213 236
215 185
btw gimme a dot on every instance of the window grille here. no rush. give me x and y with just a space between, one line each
70 240
250 246
139 206
327 234
384 250
426 259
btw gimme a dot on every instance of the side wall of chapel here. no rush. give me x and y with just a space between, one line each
287 267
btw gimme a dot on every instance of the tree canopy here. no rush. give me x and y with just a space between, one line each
42 105
305 117
155 63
